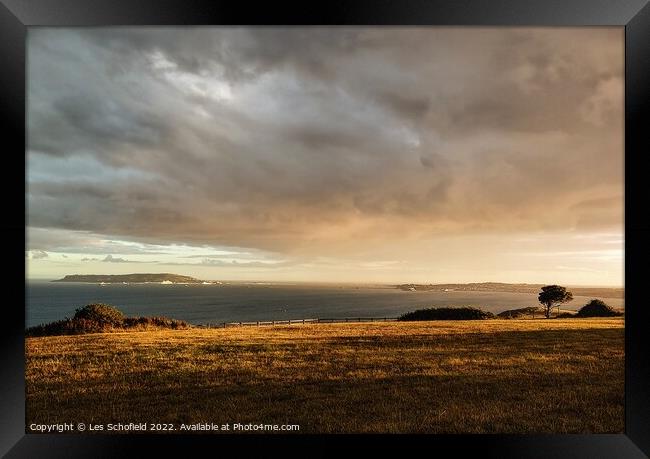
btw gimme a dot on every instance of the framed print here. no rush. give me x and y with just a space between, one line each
362 225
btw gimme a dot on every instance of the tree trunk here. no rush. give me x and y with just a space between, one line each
548 311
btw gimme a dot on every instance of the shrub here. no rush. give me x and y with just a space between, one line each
68 327
154 322
51 329
101 318
465 313
598 308
521 312
102 314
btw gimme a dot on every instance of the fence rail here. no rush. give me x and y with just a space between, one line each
331 320
260 323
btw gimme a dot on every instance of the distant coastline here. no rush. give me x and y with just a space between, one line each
161 278
603 292
169 278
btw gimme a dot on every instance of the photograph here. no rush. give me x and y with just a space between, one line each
325 229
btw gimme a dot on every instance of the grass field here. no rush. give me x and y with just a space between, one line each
493 376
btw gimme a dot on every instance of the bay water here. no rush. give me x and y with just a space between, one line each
235 302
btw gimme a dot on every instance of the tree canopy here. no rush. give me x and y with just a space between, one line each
552 295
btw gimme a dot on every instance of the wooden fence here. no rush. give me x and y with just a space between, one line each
260 323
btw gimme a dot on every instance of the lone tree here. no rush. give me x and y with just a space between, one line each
552 295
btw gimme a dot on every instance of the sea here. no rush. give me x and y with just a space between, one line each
249 302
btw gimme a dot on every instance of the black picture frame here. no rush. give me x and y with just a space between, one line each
634 15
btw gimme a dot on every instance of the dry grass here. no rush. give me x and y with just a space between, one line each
498 376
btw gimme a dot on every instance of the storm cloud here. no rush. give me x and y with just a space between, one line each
304 141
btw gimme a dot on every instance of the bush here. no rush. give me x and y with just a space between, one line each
68 327
102 318
465 313
102 314
598 308
154 322
521 312
51 329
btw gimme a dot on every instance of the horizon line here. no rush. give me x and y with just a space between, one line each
250 281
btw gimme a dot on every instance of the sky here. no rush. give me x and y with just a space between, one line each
368 154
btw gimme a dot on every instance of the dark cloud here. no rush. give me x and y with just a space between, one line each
98 118
410 107
283 139
63 241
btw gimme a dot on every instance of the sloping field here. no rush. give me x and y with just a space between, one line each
493 376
